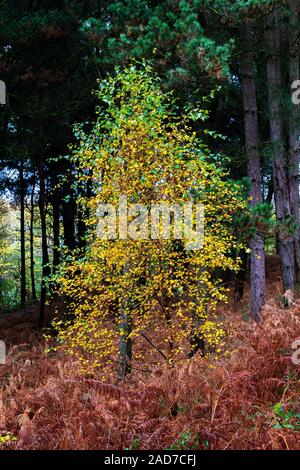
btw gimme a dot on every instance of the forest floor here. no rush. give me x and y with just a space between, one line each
248 399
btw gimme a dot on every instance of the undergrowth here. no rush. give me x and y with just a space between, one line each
248 399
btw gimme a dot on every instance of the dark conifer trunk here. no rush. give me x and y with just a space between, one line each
257 255
240 277
45 256
294 125
31 228
68 213
56 231
81 230
22 237
280 181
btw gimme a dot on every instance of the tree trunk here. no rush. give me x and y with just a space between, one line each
197 340
81 230
125 345
257 255
55 215
45 256
240 277
125 342
69 213
294 123
22 233
33 290
280 183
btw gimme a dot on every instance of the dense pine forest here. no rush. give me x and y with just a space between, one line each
149 225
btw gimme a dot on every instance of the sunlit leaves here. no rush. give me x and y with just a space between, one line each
139 149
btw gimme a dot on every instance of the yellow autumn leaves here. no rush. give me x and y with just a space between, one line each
140 149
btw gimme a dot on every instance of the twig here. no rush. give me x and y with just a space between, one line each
153 345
